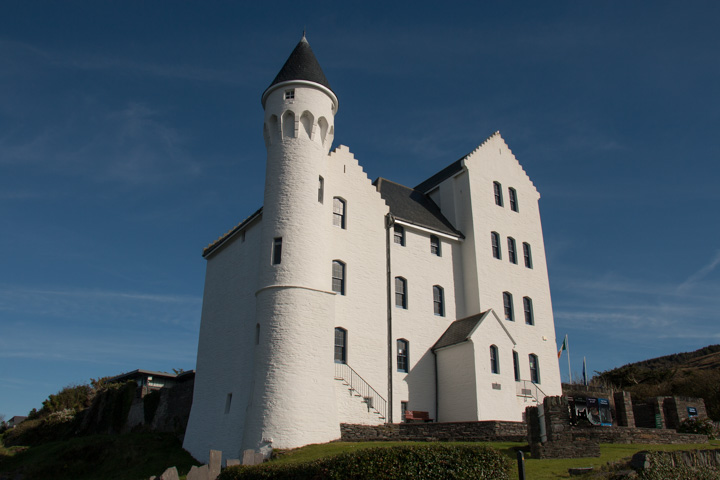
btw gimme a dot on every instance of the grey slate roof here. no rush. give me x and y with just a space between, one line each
413 206
214 245
459 330
441 176
301 65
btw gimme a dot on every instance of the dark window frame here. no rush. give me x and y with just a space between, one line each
497 188
435 246
534 368
399 235
508 306
339 212
512 250
516 365
438 300
512 193
277 251
403 355
528 309
401 294
495 242
338 282
340 353
527 255
494 360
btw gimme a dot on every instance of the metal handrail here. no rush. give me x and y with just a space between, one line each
370 396
532 388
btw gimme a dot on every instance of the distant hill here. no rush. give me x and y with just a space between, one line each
690 374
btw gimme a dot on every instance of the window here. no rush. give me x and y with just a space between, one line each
494 360
290 94
527 254
498 194
512 254
257 334
277 251
402 355
516 366
513 199
534 368
338 277
403 410
242 236
400 235
438 300
507 303
321 189
340 345
527 307
495 238
400 292
339 212
435 245
228 402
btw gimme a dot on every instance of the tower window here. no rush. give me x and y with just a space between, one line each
340 345
400 292
228 402
338 277
435 245
257 334
290 94
498 194
508 306
527 254
494 359
438 300
402 355
534 368
516 366
339 212
321 189
495 239
512 254
277 251
513 199
528 308
399 235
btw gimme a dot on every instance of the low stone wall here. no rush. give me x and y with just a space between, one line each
637 435
447 432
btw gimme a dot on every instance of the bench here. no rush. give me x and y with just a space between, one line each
417 416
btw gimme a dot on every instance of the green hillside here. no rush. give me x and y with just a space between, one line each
689 374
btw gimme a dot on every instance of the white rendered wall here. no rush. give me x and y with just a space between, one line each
361 245
418 323
457 398
225 348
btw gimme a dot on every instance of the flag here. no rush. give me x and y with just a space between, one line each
584 372
562 347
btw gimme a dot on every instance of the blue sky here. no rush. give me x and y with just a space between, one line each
131 137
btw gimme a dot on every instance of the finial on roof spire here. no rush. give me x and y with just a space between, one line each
304 34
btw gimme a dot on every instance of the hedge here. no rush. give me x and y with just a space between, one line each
421 462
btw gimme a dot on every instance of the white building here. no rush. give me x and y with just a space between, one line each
433 298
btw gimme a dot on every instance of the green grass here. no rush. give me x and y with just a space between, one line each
110 457
535 469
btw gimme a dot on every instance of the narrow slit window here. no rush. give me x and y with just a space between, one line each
228 403
516 366
321 189
402 355
438 300
494 360
277 251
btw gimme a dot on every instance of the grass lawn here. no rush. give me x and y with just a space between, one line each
535 469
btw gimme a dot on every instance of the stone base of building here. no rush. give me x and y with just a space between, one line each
485 431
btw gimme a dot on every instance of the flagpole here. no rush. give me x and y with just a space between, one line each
567 345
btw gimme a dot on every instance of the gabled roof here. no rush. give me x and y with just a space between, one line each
442 175
461 330
216 244
300 65
414 207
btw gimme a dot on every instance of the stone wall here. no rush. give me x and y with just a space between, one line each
484 431
676 409
563 440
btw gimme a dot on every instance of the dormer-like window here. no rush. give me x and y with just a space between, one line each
290 94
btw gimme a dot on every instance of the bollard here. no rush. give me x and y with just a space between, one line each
521 465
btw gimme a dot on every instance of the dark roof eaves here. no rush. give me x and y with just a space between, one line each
447 172
207 251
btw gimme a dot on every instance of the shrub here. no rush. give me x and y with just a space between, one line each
703 426
421 462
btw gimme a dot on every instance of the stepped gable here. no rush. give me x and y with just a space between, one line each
414 207
214 245
301 65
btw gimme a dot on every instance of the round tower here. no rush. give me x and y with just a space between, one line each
293 400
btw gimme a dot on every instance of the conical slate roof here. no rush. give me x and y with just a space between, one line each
301 65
